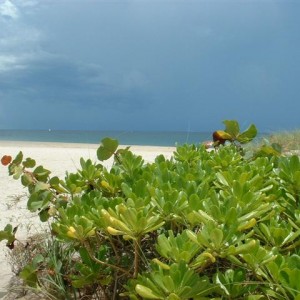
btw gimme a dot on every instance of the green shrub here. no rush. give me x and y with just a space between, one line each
202 225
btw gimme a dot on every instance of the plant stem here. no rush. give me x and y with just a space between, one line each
95 259
136 257
114 249
117 158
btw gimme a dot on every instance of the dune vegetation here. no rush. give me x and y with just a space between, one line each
219 224
290 140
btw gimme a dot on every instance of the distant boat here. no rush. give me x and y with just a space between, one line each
49 129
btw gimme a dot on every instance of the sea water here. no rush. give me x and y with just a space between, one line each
95 137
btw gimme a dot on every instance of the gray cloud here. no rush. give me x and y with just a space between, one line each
149 64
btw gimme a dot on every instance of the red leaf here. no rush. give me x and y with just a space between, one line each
6 159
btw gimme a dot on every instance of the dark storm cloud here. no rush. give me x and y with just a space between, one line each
152 64
55 81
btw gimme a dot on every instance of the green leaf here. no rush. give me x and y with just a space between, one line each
169 283
29 163
216 236
39 258
17 171
232 127
4 235
39 200
44 215
86 257
266 150
41 186
29 275
26 179
248 135
173 296
219 282
294 163
107 148
145 292
41 173
34 202
18 159
8 234
54 181
222 179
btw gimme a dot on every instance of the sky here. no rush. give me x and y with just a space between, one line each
149 65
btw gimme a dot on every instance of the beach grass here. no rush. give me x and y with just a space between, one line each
289 140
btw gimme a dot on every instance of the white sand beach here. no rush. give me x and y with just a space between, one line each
58 158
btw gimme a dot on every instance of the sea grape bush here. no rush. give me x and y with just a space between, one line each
201 225
232 134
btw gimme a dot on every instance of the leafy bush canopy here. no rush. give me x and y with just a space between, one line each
202 225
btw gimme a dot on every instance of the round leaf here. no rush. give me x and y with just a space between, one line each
248 135
107 148
29 163
232 127
6 160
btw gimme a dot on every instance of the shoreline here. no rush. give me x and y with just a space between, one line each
33 144
58 158
147 138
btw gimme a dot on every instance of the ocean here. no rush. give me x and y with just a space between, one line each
95 137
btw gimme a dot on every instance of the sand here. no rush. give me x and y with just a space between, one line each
57 157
